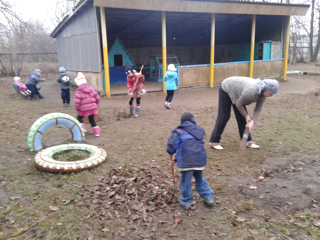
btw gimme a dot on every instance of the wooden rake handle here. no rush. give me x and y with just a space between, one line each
171 162
243 143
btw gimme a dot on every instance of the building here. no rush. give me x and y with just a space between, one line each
212 39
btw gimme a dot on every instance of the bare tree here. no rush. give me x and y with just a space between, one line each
62 9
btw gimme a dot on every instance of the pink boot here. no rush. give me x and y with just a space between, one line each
84 127
96 131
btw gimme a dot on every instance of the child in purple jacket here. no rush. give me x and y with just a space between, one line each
86 102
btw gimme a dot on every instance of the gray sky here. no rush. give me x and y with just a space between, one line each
35 10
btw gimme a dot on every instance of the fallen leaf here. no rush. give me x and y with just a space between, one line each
240 219
15 197
105 229
253 187
316 223
53 208
176 221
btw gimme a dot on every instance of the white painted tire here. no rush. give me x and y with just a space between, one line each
49 120
44 159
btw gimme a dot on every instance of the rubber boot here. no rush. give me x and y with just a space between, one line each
96 131
84 127
137 112
131 110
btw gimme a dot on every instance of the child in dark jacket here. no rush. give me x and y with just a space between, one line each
191 160
65 81
32 82
86 101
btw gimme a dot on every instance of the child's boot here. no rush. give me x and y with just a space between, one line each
137 112
169 105
83 127
96 131
166 104
131 110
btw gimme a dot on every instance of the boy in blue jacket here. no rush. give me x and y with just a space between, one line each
65 81
191 160
32 82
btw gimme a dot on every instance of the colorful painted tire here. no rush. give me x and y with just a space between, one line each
49 120
44 160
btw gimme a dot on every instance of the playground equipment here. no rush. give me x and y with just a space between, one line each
156 65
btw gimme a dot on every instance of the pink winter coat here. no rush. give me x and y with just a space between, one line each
86 99
132 81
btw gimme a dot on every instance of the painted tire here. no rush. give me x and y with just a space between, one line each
44 160
49 120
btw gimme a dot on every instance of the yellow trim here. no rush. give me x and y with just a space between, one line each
213 23
105 52
286 50
164 49
253 32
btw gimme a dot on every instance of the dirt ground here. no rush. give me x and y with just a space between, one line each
270 193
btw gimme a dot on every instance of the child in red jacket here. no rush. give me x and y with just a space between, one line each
135 90
86 102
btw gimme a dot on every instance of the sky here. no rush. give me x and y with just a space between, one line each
35 10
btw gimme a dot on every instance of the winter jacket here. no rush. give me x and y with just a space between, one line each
187 139
21 85
132 81
171 79
34 79
62 84
85 98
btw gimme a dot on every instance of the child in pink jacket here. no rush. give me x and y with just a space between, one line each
21 85
135 90
86 102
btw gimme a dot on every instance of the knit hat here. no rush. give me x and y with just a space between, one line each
80 80
16 79
171 67
128 70
272 86
37 71
62 70
269 85
188 117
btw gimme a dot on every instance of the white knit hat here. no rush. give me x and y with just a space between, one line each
80 80
16 79
171 67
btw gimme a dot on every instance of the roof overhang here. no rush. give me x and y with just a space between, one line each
230 7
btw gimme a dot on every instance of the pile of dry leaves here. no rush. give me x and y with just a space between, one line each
130 193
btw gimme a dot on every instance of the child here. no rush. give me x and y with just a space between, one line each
65 81
86 102
139 90
21 85
32 82
191 159
171 79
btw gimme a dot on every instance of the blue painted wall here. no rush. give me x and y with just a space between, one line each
118 48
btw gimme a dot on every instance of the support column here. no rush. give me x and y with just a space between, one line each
253 36
164 49
213 24
105 51
286 49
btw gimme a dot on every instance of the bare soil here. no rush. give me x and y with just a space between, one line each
270 193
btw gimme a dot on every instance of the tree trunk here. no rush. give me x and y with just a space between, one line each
311 33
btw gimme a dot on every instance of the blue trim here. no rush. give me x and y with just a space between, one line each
229 63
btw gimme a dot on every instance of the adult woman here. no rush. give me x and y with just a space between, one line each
239 92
